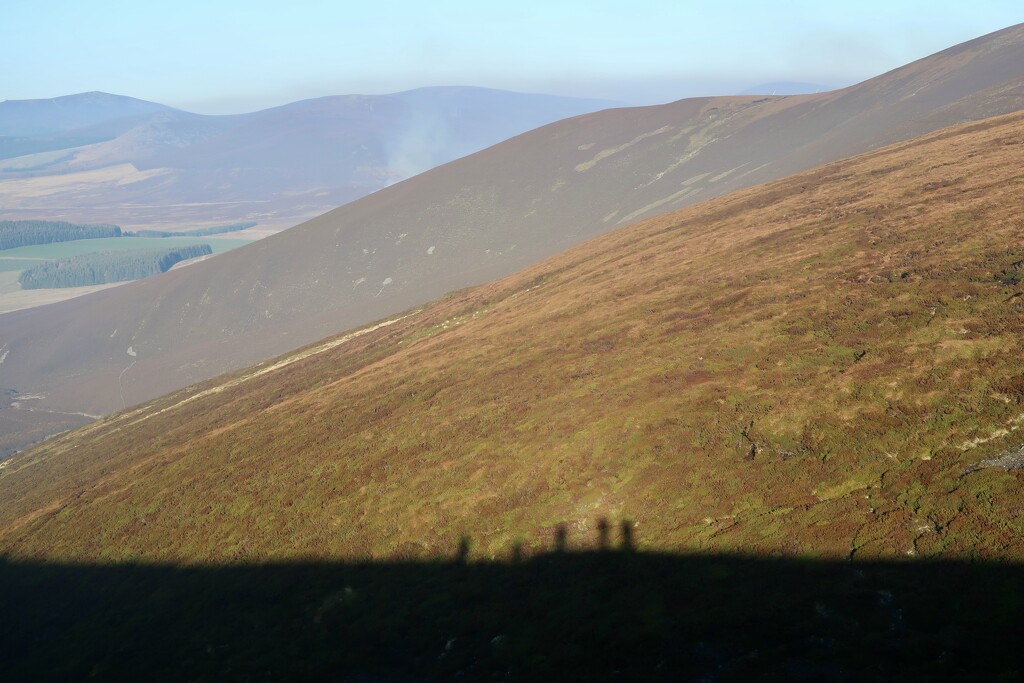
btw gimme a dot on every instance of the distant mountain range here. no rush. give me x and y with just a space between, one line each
99 157
472 220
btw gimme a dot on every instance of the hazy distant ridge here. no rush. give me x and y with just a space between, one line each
112 158
26 118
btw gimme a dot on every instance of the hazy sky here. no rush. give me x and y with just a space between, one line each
220 56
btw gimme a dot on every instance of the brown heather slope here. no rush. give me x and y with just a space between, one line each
472 220
823 366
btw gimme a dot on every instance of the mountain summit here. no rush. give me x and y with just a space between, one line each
22 118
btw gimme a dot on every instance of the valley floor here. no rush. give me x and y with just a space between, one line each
14 298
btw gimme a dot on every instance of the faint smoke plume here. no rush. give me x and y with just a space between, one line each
425 140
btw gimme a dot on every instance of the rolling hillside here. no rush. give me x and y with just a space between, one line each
32 128
472 220
280 165
826 366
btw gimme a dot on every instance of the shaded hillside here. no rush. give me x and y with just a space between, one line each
284 164
829 365
475 219
593 616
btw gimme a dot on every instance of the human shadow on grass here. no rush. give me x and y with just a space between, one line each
610 612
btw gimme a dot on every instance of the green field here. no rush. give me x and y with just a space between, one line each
8 265
26 257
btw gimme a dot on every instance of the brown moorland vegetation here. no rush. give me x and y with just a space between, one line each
476 219
826 366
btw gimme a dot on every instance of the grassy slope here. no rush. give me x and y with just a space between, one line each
476 219
801 368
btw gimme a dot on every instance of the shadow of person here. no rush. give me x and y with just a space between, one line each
561 538
517 552
604 532
626 541
462 554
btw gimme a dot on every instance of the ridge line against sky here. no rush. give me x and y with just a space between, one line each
231 56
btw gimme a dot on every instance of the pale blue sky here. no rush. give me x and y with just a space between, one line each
225 56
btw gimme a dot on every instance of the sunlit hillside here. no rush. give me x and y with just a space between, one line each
478 218
825 366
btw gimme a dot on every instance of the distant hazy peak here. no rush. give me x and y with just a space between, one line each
69 112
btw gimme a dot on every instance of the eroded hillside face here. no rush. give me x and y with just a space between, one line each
829 365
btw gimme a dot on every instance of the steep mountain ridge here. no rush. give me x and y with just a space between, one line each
828 365
474 219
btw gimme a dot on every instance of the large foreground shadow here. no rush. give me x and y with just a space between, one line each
600 615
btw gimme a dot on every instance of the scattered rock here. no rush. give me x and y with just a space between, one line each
1012 459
